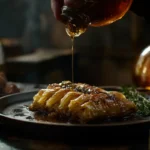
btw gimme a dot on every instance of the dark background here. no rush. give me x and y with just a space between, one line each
104 55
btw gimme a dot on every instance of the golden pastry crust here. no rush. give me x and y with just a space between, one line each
81 102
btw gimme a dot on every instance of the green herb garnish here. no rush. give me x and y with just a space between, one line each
142 103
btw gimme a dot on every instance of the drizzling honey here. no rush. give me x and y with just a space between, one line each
94 13
73 32
72 59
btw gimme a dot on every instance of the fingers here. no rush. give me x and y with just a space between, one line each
56 6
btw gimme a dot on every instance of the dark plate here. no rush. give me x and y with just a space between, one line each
14 114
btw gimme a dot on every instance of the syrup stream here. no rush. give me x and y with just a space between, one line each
72 59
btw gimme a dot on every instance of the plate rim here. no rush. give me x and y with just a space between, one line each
115 124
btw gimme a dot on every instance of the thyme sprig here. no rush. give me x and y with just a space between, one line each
142 103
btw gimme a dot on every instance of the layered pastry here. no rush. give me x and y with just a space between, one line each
81 102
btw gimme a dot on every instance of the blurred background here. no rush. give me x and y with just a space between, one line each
37 49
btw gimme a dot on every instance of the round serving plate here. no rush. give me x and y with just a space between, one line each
14 115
